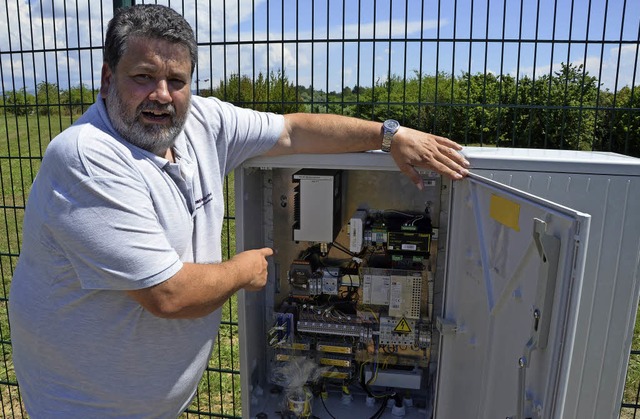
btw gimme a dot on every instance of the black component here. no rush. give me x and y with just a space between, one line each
407 221
409 261
409 241
296 206
409 235
300 273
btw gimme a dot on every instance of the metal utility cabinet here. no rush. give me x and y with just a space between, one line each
509 294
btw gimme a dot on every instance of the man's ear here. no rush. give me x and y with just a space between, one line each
105 80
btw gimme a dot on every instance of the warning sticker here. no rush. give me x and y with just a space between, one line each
505 212
402 326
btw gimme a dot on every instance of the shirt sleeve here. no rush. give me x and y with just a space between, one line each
241 133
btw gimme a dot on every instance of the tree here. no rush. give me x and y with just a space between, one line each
272 94
619 123
47 94
20 102
565 109
77 99
567 124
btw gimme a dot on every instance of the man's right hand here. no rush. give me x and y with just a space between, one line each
252 265
198 289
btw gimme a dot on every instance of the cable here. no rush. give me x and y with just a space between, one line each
375 317
380 411
343 249
361 380
325 408
406 214
329 272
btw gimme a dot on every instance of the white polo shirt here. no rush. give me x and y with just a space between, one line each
105 216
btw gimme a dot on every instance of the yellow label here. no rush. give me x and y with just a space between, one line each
334 349
505 212
294 346
335 374
335 362
402 326
300 346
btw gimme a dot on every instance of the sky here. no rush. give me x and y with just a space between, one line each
315 41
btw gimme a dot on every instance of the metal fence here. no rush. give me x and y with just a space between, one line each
527 73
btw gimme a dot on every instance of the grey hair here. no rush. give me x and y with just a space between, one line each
147 21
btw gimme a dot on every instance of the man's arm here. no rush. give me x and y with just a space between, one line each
199 289
313 133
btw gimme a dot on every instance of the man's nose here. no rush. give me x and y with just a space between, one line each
161 92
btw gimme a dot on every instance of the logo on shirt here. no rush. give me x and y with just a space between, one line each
204 200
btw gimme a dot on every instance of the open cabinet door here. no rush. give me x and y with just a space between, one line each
513 277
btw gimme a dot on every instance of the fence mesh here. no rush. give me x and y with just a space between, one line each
528 73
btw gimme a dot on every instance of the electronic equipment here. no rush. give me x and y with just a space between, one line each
460 300
318 205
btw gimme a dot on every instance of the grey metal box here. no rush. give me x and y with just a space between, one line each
573 364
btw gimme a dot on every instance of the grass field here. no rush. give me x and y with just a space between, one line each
22 144
632 386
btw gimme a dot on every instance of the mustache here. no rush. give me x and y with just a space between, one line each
158 107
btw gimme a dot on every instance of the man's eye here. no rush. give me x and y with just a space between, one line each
142 77
177 83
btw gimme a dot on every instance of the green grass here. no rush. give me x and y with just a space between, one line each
23 139
631 390
219 389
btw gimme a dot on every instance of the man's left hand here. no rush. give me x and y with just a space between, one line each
411 148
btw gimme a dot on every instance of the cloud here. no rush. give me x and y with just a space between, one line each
394 28
615 70
63 28
49 28
59 28
214 18
617 67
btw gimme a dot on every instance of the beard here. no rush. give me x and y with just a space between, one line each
155 138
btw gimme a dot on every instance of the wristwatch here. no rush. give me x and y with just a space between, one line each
389 128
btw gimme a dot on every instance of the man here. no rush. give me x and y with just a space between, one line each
114 302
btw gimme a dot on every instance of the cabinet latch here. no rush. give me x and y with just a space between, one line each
446 326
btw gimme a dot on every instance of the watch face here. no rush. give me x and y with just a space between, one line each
391 125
